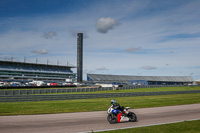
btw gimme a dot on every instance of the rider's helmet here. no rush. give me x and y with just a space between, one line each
113 101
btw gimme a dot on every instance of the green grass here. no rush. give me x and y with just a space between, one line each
180 127
100 104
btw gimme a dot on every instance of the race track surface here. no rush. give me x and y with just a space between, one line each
88 121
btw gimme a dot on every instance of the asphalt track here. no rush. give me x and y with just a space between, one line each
94 121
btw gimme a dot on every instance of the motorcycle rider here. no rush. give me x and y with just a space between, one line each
116 105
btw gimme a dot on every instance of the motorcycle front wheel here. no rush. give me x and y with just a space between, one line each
112 118
132 117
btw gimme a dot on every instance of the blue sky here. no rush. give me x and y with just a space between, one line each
122 37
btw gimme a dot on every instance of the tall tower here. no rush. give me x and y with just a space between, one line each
79 57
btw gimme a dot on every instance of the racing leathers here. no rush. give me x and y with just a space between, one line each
117 106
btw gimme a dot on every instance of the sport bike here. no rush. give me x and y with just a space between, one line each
115 115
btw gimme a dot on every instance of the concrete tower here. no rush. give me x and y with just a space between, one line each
79 57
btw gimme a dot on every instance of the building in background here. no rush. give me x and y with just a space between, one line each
141 80
20 71
197 82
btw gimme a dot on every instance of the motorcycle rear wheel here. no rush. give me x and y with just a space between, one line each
112 118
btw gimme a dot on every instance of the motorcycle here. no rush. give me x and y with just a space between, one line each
115 115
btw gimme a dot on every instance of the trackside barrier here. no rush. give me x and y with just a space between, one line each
69 90
27 98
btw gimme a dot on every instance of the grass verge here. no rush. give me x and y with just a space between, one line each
180 127
100 104
182 88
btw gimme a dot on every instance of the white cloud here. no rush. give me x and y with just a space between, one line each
86 71
101 68
105 24
149 67
39 51
131 50
8 58
49 34
191 74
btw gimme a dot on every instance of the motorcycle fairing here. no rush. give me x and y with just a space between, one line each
119 117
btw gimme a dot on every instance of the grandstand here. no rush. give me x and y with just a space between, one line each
141 80
197 82
20 71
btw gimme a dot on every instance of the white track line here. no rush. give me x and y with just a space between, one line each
140 126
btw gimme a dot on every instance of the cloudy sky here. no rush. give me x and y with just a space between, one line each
122 37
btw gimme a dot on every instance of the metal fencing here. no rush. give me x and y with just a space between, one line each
53 97
70 90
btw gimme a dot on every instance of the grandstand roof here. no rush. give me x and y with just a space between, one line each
34 64
198 80
103 77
